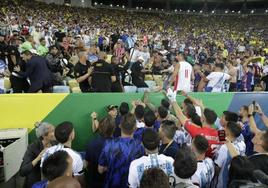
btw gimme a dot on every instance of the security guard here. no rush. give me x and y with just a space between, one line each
3 47
103 75
119 70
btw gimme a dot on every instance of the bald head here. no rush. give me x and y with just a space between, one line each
64 182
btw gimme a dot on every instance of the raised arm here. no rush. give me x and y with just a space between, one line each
146 101
252 123
264 118
95 122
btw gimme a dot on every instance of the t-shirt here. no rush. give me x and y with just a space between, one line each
260 162
40 184
204 173
265 80
93 151
117 155
80 70
169 150
223 160
209 133
248 136
138 166
77 160
216 80
101 78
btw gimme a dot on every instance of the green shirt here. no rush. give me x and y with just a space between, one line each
25 46
42 50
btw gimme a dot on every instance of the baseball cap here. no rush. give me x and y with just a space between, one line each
111 107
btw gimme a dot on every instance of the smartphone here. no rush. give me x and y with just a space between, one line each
255 106
222 135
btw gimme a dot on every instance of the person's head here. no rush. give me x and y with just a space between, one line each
64 132
185 163
150 140
107 126
260 142
167 130
114 59
228 116
149 118
200 146
124 108
154 178
219 67
139 112
186 102
243 112
82 55
128 124
112 110
102 56
45 131
29 38
210 116
190 112
162 112
197 67
56 165
26 55
180 57
240 169
165 103
53 50
233 130
43 41
64 182
229 64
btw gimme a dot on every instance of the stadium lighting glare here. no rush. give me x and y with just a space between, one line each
213 12
156 8
180 10
176 10
266 11
137 8
226 12
100 3
141 8
193 10
150 8
252 11
188 10
201 11
123 6
239 12
95 3
117 5
111 5
162 9
233 11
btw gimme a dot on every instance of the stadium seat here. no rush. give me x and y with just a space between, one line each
143 89
130 89
61 89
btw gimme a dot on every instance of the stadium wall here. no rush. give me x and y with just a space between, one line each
23 110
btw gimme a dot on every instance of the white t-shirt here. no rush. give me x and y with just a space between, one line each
138 166
77 160
216 80
204 173
183 79
223 160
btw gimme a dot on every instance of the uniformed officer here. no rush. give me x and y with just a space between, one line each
118 70
82 72
103 75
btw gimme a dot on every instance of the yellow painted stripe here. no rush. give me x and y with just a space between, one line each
23 110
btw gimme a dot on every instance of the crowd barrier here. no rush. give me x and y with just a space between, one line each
23 110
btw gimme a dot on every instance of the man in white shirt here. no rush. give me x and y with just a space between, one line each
223 157
205 166
150 141
216 79
65 134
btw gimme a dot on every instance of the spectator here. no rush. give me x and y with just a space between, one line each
56 165
30 166
117 154
38 72
123 110
42 50
150 141
64 182
154 177
205 166
167 131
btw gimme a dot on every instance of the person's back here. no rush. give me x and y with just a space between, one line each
183 79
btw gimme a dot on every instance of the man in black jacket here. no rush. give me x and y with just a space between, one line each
37 71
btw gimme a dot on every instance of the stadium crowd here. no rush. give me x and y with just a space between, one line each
103 50
146 146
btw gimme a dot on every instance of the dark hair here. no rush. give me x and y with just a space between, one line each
55 165
63 131
154 177
128 123
234 128
42 39
187 101
107 126
27 52
210 116
165 103
191 113
201 144
149 118
139 111
185 163
150 139
52 47
162 111
124 108
264 139
220 65
230 116
169 128
240 169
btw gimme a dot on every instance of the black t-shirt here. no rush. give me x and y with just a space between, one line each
101 78
169 150
260 161
265 80
80 70
118 70
13 51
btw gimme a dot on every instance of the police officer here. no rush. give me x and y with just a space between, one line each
103 75
82 72
119 70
